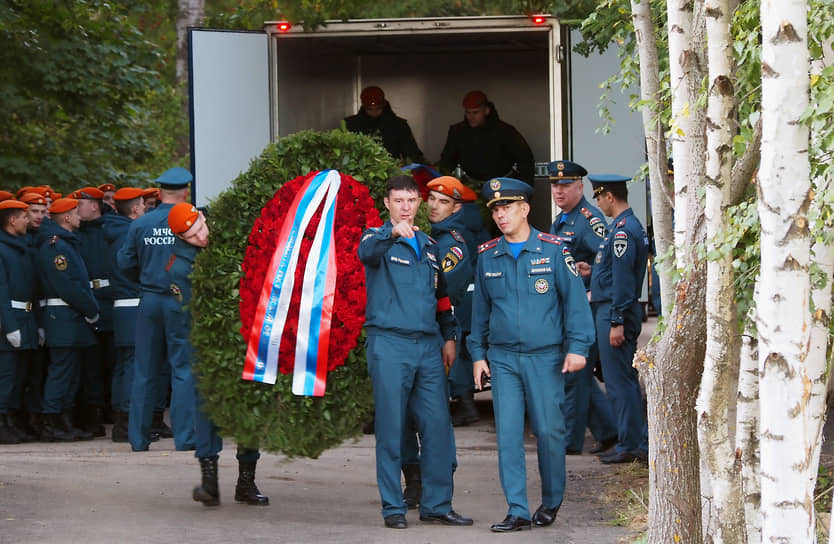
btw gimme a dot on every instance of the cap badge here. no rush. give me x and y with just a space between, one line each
495 185
560 166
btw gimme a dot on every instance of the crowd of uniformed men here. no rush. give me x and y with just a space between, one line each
91 309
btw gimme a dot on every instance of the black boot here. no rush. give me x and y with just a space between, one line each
159 427
413 491
207 493
52 429
7 434
17 423
94 422
119 431
466 411
67 426
35 424
245 489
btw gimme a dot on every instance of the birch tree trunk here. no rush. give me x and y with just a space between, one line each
189 13
786 364
655 140
747 429
722 511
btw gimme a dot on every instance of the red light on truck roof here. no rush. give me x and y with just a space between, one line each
283 26
538 19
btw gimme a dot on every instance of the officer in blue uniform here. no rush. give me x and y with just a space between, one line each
98 359
162 327
616 282
581 227
190 228
17 317
531 320
408 318
70 310
129 206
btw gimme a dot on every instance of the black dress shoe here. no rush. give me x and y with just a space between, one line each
449 518
605 445
545 516
624 457
571 451
396 521
511 523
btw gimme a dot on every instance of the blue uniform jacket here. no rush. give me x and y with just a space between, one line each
180 267
64 276
124 318
457 262
146 250
582 229
620 265
94 251
535 304
403 290
17 271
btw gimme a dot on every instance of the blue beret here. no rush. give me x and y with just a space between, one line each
175 178
505 190
565 172
601 181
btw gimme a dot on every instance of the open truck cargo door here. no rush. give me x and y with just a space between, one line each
230 112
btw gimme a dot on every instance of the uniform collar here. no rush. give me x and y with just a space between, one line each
17 242
453 222
533 244
625 213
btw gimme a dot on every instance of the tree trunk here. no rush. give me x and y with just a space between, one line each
747 430
189 13
723 514
787 361
655 141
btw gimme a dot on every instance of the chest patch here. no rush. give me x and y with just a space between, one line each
398 260
60 263
542 260
493 274
542 286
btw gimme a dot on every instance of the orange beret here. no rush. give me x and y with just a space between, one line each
128 193
92 193
151 191
12 204
49 192
372 96
33 198
23 190
474 99
63 205
5 195
104 187
452 187
182 216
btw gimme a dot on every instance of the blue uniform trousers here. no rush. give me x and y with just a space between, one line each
8 379
587 406
209 443
164 337
408 376
621 379
62 378
28 391
122 381
95 367
538 379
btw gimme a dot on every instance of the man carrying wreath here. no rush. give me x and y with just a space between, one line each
411 342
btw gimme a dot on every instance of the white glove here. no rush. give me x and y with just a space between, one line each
14 338
41 337
91 320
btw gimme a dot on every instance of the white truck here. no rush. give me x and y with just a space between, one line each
249 88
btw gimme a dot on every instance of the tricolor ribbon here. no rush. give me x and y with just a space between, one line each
318 287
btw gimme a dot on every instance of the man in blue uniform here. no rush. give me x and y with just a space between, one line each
531 319
408 318
17 318
129 206
581 227
191 230
162 328
69 314
616 282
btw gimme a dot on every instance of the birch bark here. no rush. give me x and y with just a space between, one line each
189 13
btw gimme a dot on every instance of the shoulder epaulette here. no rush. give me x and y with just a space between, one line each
621 223
552 238
432 240
488 245
456 235
53 240
586 212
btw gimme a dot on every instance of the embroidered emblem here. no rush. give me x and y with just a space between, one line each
620 244
570 262
457 251
560 165
176 291
451 260
542 286
598 226
495 184
60 263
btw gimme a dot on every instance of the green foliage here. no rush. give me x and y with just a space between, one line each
262 415
77 84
